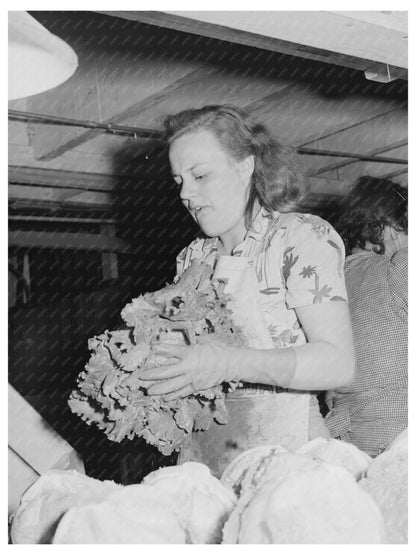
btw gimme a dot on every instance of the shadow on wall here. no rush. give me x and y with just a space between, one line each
48 341
152 219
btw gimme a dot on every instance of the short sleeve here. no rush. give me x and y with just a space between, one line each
180 262
187 254
398 280
313 263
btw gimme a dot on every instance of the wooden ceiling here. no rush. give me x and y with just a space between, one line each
136 67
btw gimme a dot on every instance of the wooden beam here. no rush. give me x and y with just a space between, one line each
24 175
77 241
396 20
351 172
363 116
141 82
61 196
63 219
375 152
398 176
374 136
322 36
75 98
217 85
303 113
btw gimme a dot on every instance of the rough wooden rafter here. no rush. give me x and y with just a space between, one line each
374 152
221 32
125 114
62 240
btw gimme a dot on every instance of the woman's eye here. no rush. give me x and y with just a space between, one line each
200 177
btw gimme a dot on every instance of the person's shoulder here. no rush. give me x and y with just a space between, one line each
309 225
362 258
369 263
400 258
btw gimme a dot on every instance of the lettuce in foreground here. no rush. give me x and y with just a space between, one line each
110 392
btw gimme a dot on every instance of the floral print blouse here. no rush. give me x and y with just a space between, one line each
299 260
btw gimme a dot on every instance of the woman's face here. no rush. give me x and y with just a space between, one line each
213 186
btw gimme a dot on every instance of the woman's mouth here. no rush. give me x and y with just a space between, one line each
197 209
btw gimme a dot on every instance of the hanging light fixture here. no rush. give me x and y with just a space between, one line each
383 73
38 60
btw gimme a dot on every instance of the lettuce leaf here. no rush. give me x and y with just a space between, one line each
110 393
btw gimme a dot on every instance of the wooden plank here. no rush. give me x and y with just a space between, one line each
350 172
106 155
363 116
58 240
34 440
320 166
396 20
400 177
75 98
353 172
302 113
331 31
17 133
376 136
20 476
118 84
380 130
217 85
128 112
207 85
57 178
60 195
321 36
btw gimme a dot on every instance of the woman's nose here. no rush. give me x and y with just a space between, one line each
187 190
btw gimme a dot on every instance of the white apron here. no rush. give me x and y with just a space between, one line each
258 414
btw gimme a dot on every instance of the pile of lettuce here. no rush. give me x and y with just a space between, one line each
110 392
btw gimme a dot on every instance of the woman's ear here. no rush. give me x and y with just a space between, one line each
246 167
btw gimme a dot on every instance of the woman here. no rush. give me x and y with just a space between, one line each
242 188
372 410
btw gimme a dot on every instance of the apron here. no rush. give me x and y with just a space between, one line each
257 414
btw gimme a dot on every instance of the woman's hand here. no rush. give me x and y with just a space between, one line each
200 367
325 362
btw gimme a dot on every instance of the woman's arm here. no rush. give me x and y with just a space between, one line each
327 361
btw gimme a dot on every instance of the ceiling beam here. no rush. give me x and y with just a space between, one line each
373 153
126 113
364 117
65 240
61 196
301 150
116 79
373 136
81 181
302 113
395 20
322 36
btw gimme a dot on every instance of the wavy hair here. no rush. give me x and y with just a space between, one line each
276 181
372 203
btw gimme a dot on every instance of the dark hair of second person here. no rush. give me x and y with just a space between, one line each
372 204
